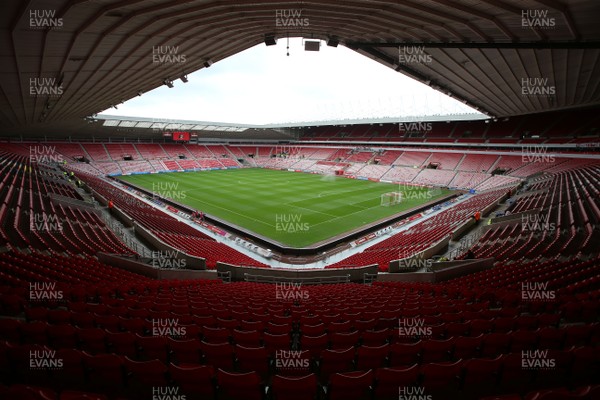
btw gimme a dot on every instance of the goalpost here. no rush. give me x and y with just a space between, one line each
391 199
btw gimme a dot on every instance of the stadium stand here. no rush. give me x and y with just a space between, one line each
209 306
476 336
118 151
506 306
445 160
150 151
97 152
412 159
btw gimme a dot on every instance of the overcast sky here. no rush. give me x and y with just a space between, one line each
263 85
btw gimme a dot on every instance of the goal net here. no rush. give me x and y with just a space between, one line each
391 199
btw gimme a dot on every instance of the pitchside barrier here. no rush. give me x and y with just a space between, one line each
141 267
308 276
317 280
440 271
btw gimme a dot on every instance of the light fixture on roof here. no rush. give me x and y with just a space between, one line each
139 93
208 63
333 41
312 45
168 82
184 78
270 39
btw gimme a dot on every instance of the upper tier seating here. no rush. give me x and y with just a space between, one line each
96 151
151 151
446 160
412 158
477 162
119 150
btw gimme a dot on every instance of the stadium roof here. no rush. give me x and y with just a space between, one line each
64 60
187 125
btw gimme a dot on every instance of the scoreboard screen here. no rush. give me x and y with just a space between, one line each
181 136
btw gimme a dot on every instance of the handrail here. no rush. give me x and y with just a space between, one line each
368 278
466 243
308 281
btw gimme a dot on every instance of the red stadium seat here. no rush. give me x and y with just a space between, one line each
34 332
92 340
144 377
314 344
436 350
481 376
371 357
72 375
184 351
441 379
79 395
152 347
278 329
194 381
10 329
215 335
332 361
123 343
402 354
313 330
252 359
294 388
551 338
350 385
247 338
343 340
375 338
523 340
389 380
62 336
275 342
218 355
466 347
494 344
105 373
239 386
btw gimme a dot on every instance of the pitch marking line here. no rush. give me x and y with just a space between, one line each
311 210
233 212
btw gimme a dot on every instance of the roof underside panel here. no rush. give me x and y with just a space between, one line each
65 59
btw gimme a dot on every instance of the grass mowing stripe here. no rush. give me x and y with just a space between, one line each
296 209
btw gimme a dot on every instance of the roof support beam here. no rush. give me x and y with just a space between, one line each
486 45
422 78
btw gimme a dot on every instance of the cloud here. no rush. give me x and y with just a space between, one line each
263 85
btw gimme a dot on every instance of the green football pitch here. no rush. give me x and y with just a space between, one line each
295 209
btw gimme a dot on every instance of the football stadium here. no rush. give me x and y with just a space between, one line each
428 255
